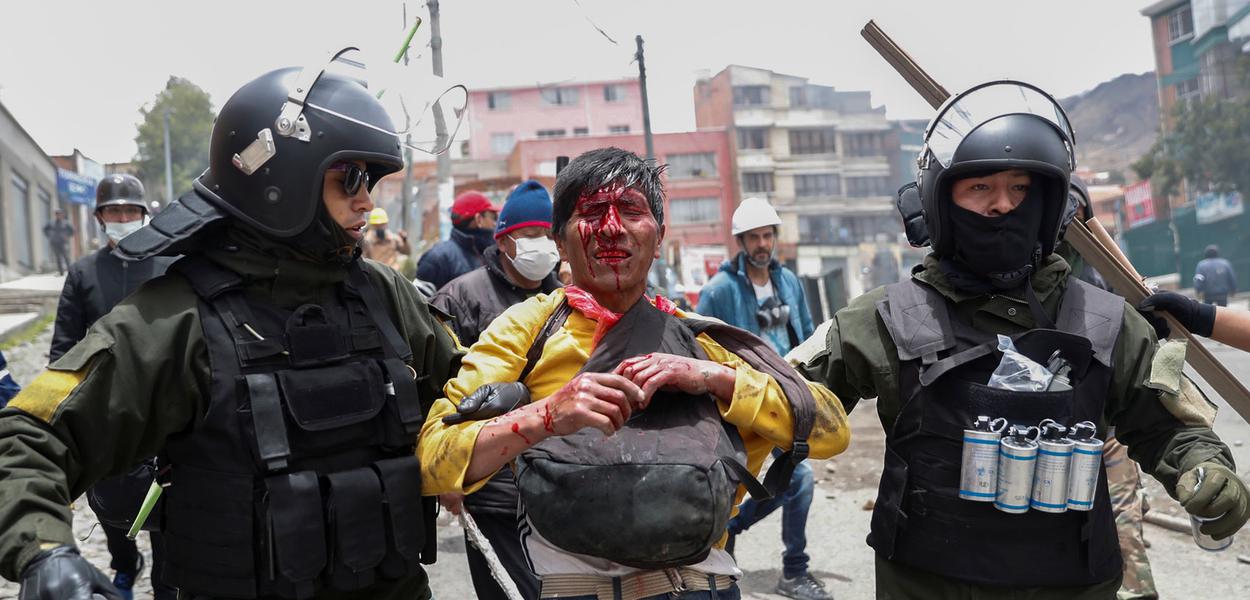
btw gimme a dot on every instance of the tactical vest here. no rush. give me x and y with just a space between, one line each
944 362
668 478
301 475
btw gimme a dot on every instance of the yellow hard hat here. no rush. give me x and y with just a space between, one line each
378 217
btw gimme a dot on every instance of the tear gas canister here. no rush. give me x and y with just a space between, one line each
978 472
1050 478
1017 457
1085 466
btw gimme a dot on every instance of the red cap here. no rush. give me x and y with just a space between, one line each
469 204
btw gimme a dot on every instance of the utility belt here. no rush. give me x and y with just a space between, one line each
635 586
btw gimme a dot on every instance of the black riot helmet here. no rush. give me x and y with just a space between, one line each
271 179
275 138
993 127
120 190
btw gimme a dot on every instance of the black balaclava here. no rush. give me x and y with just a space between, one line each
995 252
324 241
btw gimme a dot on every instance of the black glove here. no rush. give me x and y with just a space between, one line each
489 401
63 574
1197 317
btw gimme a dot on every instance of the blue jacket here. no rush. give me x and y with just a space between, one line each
8 387
730 297
1215 277
449 259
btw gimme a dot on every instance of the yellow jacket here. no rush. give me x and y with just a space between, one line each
758 408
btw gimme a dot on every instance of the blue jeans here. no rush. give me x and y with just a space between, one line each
732 593
794 504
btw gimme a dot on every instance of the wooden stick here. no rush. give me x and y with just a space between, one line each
1103 254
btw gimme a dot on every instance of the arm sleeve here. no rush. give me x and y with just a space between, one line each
70 326
805 313
852 354
1165 444
447 301
137 376
499 356
759 406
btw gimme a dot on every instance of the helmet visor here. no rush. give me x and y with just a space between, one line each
962 114
425 111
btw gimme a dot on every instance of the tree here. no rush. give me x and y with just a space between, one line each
1209 145
190 125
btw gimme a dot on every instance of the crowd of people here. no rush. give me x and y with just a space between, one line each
253 351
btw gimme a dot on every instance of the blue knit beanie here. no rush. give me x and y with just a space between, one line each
529 205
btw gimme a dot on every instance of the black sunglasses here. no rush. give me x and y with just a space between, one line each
353 176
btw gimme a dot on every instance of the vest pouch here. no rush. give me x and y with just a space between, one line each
208 531
403 514
332 406
296 533
354 519
888 515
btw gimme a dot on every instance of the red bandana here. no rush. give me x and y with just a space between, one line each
604 318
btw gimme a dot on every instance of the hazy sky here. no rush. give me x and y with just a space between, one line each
76 73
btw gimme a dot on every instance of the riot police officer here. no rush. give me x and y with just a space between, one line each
993 184
281 379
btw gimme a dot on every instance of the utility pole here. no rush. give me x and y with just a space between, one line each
646 108
169 177
410 225
445 189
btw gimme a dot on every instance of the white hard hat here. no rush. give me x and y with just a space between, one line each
754 213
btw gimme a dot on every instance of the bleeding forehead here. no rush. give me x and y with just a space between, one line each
610 194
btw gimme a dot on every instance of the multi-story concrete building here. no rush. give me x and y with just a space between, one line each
825 160
700 183
28 195
1200 49
498 118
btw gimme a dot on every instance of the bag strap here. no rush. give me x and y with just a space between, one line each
554 322
377 311
761 356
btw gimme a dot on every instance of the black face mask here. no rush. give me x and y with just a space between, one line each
1002 249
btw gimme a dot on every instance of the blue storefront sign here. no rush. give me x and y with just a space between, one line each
75 188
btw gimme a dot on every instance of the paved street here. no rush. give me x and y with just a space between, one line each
838 522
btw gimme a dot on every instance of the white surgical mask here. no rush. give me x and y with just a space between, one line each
117 231
535 257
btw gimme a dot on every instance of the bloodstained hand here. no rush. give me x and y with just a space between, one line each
653 372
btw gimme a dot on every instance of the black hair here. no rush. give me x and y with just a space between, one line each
1211 251
600 168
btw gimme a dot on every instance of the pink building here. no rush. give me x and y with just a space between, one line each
499 118
699 184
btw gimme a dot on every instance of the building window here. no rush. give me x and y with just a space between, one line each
581 131
813 141
499 100
464 148
551 133
757 183
613 93
690 166
817 185
501 143
1188 90
848 230
750 95
811 96
864 144
1180 24
864 187
687 211
20 201
559 96
753 138
618 129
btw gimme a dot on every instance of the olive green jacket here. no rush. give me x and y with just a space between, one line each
142 374
853 355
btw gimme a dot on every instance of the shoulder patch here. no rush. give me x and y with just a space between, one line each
45 394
